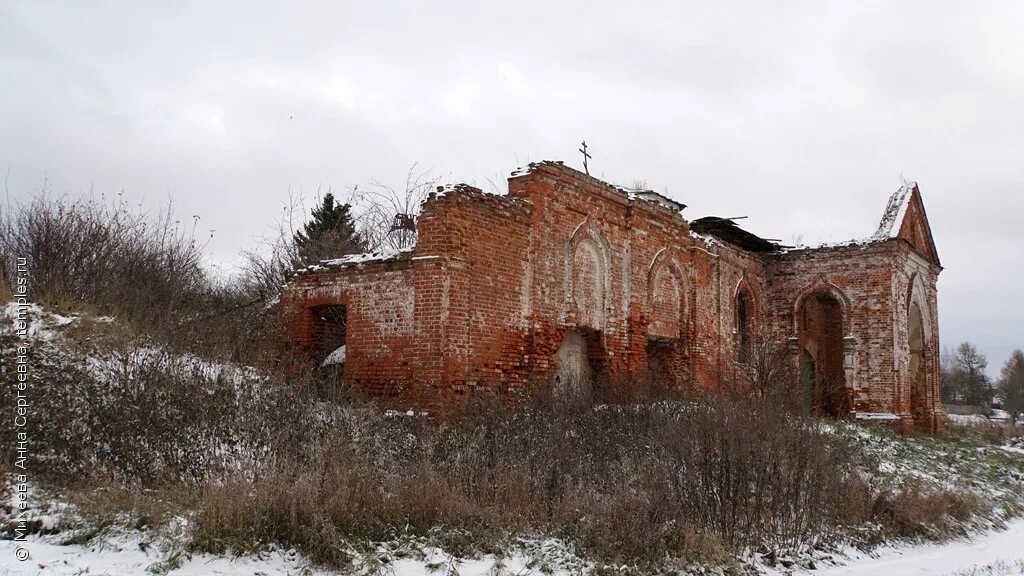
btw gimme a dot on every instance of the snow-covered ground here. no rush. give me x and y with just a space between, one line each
991 554
126 557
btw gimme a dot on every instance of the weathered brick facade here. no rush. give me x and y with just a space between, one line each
567 278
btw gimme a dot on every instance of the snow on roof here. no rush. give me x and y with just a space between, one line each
853 242
523 170
707 239
654 197
382 255
447 189
888 228
894 212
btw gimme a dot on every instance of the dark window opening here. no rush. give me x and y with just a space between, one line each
329 328
743 325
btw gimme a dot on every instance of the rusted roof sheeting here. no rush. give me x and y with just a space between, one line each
727 231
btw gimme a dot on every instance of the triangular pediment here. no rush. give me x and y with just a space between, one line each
915 228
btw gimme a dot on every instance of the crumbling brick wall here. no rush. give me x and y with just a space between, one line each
498 285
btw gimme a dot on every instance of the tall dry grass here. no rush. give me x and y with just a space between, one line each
628 483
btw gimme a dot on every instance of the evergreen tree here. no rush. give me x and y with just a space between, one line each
330 233
1011 382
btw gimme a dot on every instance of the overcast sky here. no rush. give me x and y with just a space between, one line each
800 115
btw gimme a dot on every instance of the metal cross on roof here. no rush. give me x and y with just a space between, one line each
585 158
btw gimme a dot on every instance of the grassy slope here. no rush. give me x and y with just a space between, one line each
929 488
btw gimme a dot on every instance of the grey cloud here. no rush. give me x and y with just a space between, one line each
801 115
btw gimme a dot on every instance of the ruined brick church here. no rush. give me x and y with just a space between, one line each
567 280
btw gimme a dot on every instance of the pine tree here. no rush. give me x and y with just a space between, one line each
1011 382
329 234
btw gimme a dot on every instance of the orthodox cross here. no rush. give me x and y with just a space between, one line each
585 158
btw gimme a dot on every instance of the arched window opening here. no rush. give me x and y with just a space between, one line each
743 325
823 374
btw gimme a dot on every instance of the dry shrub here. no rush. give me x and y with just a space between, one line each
986 432
107 504
914 513
144 268
140 266
148 416
628 483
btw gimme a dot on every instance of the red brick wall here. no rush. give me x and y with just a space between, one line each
380 302
860 279
496 282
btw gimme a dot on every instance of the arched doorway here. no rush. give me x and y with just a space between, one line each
822 367
917 369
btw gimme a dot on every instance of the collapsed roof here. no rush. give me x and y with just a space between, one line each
726 230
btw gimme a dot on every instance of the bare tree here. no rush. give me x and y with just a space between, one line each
1011 382
378 206
267 267
767 368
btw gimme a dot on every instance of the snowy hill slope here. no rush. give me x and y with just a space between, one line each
212 432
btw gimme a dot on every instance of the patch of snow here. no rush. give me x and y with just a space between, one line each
108 367
707 239
382 255
523 170
31 320
853 243
655 198
407 413
967 420
62 320
875 416
1014 445
163 549
130 555
894 212
336 357
958 557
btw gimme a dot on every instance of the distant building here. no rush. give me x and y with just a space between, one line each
567 281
